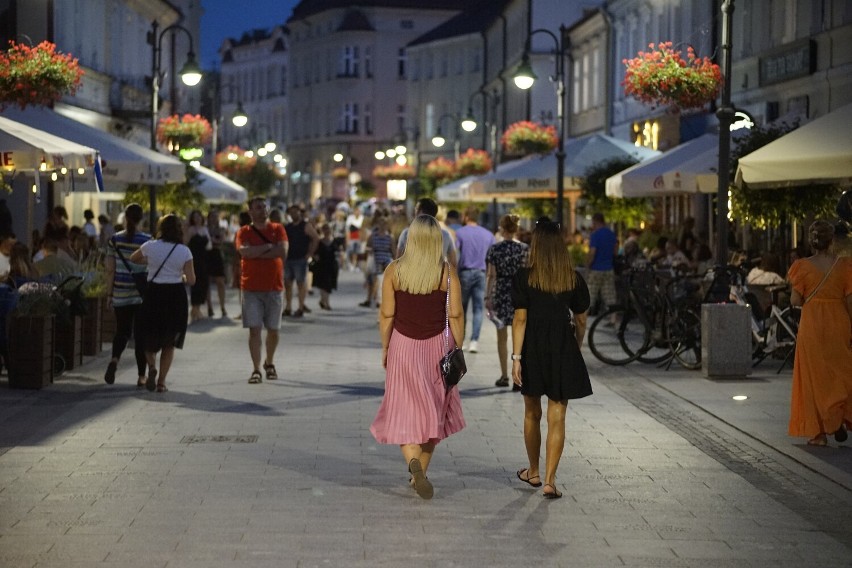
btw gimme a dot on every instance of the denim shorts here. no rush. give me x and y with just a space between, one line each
296 270
262 309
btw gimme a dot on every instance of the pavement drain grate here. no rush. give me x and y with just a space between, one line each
245 439
784 485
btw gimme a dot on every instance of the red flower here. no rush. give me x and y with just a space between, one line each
525 137
186 130
37 75
664 77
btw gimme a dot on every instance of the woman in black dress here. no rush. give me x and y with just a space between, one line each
325 266
551 301
199 243
215 263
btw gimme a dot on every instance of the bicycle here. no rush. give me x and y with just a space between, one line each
773 329
654 323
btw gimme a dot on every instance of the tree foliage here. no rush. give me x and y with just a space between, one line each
178 198
629 211
772 206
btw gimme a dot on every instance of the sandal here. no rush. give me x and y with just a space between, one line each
529 479
255 378
140 384
161 387
555 494
109 376
818 441
421 482
271 374
502 382
151 383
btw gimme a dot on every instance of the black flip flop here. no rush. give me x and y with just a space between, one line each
555 495
528 480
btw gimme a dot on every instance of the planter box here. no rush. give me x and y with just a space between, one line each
107 323
68 341
92 341
31 352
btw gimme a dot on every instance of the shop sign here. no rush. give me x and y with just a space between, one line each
788 62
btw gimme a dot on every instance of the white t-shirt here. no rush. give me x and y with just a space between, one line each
156 252
90 229
5 265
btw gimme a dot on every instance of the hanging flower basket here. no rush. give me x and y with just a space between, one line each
524 138
473 162
663 77
233 161
440 169
37 75
183 132
394 172
340 173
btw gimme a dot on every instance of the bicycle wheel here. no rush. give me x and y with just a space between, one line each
685 336
616 337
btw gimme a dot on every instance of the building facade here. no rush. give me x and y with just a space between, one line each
348 87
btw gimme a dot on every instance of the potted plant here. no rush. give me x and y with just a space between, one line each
37 75
189 130
440 170
68 329
395 171
662 76
524 138
340 173
233 161
473 162
31 329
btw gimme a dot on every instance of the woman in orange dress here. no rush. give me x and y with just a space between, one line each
822 373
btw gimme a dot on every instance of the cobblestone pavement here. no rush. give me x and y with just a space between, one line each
661 468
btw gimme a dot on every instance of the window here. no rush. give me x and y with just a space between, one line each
596 77
586 65
349 119
368 118
427 65
401 60
407 24
270 81
295 71
368 61
349 62
444 64
475 65
283 90
400 118
575 94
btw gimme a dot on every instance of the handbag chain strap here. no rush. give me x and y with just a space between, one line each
447 314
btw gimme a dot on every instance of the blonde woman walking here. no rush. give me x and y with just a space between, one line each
417 411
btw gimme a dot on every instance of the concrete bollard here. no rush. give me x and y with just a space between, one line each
726 340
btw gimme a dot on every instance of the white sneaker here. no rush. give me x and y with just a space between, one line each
474 347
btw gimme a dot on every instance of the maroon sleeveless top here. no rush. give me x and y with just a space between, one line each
420 316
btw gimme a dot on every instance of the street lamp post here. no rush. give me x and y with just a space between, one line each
190 74
238 119
438 139
524 79
725 114
468 122
400 149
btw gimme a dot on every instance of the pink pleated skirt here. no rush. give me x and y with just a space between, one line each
416 408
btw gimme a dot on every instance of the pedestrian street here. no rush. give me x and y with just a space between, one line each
660 467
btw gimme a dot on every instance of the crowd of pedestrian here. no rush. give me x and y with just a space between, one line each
432 284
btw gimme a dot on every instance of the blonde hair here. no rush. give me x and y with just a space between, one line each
549 261
420 267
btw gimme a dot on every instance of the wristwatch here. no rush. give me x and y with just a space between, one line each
516 357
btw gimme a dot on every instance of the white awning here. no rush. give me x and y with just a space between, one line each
818 152
535 176
122 161
458 190
217 188
662 175
23 148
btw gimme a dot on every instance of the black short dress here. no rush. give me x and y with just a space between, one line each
551 362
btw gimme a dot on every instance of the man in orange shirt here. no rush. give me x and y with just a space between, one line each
262 246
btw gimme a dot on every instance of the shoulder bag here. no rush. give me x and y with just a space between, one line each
163 264
821 282
452 364
140 279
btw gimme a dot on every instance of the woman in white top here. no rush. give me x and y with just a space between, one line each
164 309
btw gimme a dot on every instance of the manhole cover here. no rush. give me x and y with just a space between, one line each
211 439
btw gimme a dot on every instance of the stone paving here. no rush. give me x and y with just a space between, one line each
661 468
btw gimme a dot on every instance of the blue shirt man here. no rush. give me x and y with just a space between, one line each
603 245
473 244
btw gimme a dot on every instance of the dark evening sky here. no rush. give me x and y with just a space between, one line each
230 18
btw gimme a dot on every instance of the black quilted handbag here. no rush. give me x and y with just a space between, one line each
452 364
